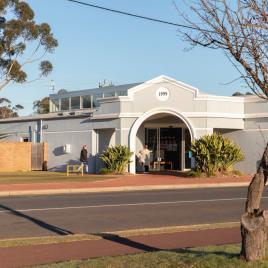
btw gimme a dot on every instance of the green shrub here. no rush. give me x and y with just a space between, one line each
215 153
116 158
105 171
194 174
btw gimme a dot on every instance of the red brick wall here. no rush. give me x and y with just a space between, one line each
15 156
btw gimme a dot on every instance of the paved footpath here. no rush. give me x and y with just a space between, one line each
112 245
123 183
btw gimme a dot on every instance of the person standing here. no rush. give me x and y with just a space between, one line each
145 158
83 158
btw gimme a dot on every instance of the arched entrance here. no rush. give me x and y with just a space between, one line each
164 131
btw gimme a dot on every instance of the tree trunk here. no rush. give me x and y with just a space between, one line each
253 221
253 231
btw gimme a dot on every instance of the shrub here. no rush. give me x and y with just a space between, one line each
104 171
215 153
116 158
194 174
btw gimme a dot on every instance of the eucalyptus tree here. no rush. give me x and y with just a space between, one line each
23 42
240 29
8 110
41 106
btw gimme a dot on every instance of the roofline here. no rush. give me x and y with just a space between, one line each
49 116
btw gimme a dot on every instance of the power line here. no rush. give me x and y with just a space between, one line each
138 16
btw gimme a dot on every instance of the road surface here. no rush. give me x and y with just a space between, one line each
29 216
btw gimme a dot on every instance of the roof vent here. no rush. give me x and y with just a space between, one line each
62 91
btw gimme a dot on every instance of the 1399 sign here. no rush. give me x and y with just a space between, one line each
162 94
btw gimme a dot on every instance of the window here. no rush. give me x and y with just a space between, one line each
86 102
122 93
54 105
95 100
75 102
65 104
109 94
24 139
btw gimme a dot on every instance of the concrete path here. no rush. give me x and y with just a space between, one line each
123 183
113 245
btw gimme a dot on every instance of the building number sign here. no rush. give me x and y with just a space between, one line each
162 94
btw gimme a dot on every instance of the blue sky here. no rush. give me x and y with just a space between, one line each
95 45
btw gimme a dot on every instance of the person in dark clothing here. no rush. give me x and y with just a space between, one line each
83 158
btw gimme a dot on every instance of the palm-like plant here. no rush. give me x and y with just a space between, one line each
215 153
116 158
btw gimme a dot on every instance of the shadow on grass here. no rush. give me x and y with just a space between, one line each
42 224
146 248
201 253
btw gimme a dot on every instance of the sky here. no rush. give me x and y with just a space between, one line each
95 45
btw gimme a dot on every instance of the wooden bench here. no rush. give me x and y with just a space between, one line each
156 163
74 169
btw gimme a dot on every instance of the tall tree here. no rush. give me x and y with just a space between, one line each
22 42
240 29
7 110
41 106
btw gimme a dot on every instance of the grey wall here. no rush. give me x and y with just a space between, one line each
252 144
105 138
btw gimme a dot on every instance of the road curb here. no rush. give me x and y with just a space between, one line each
120 189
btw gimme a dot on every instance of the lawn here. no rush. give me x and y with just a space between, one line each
206 257
43 177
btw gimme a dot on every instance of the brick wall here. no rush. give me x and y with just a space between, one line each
16 156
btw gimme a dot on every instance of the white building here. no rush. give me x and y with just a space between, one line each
164 113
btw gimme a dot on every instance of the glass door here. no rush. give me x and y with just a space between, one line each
170 148
152 140
165 147
188 154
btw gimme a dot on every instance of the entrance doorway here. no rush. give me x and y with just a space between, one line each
170 148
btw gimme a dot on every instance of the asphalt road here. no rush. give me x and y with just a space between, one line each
104 212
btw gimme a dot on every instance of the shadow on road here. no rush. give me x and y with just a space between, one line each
47 226
126 241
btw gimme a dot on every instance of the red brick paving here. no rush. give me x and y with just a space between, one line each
114 246
124 181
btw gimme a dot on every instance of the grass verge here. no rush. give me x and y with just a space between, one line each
206 257
45 177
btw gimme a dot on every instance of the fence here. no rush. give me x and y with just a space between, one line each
24 156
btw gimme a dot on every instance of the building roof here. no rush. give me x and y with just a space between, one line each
100 90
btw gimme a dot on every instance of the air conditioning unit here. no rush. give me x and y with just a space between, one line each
67 148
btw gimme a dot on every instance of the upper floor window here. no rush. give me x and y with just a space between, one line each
75 102
54 105
65 104
95 102
122 93
109 94
86 102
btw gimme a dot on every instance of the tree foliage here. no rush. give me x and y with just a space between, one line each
41 106
7 110
240 29
22 42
